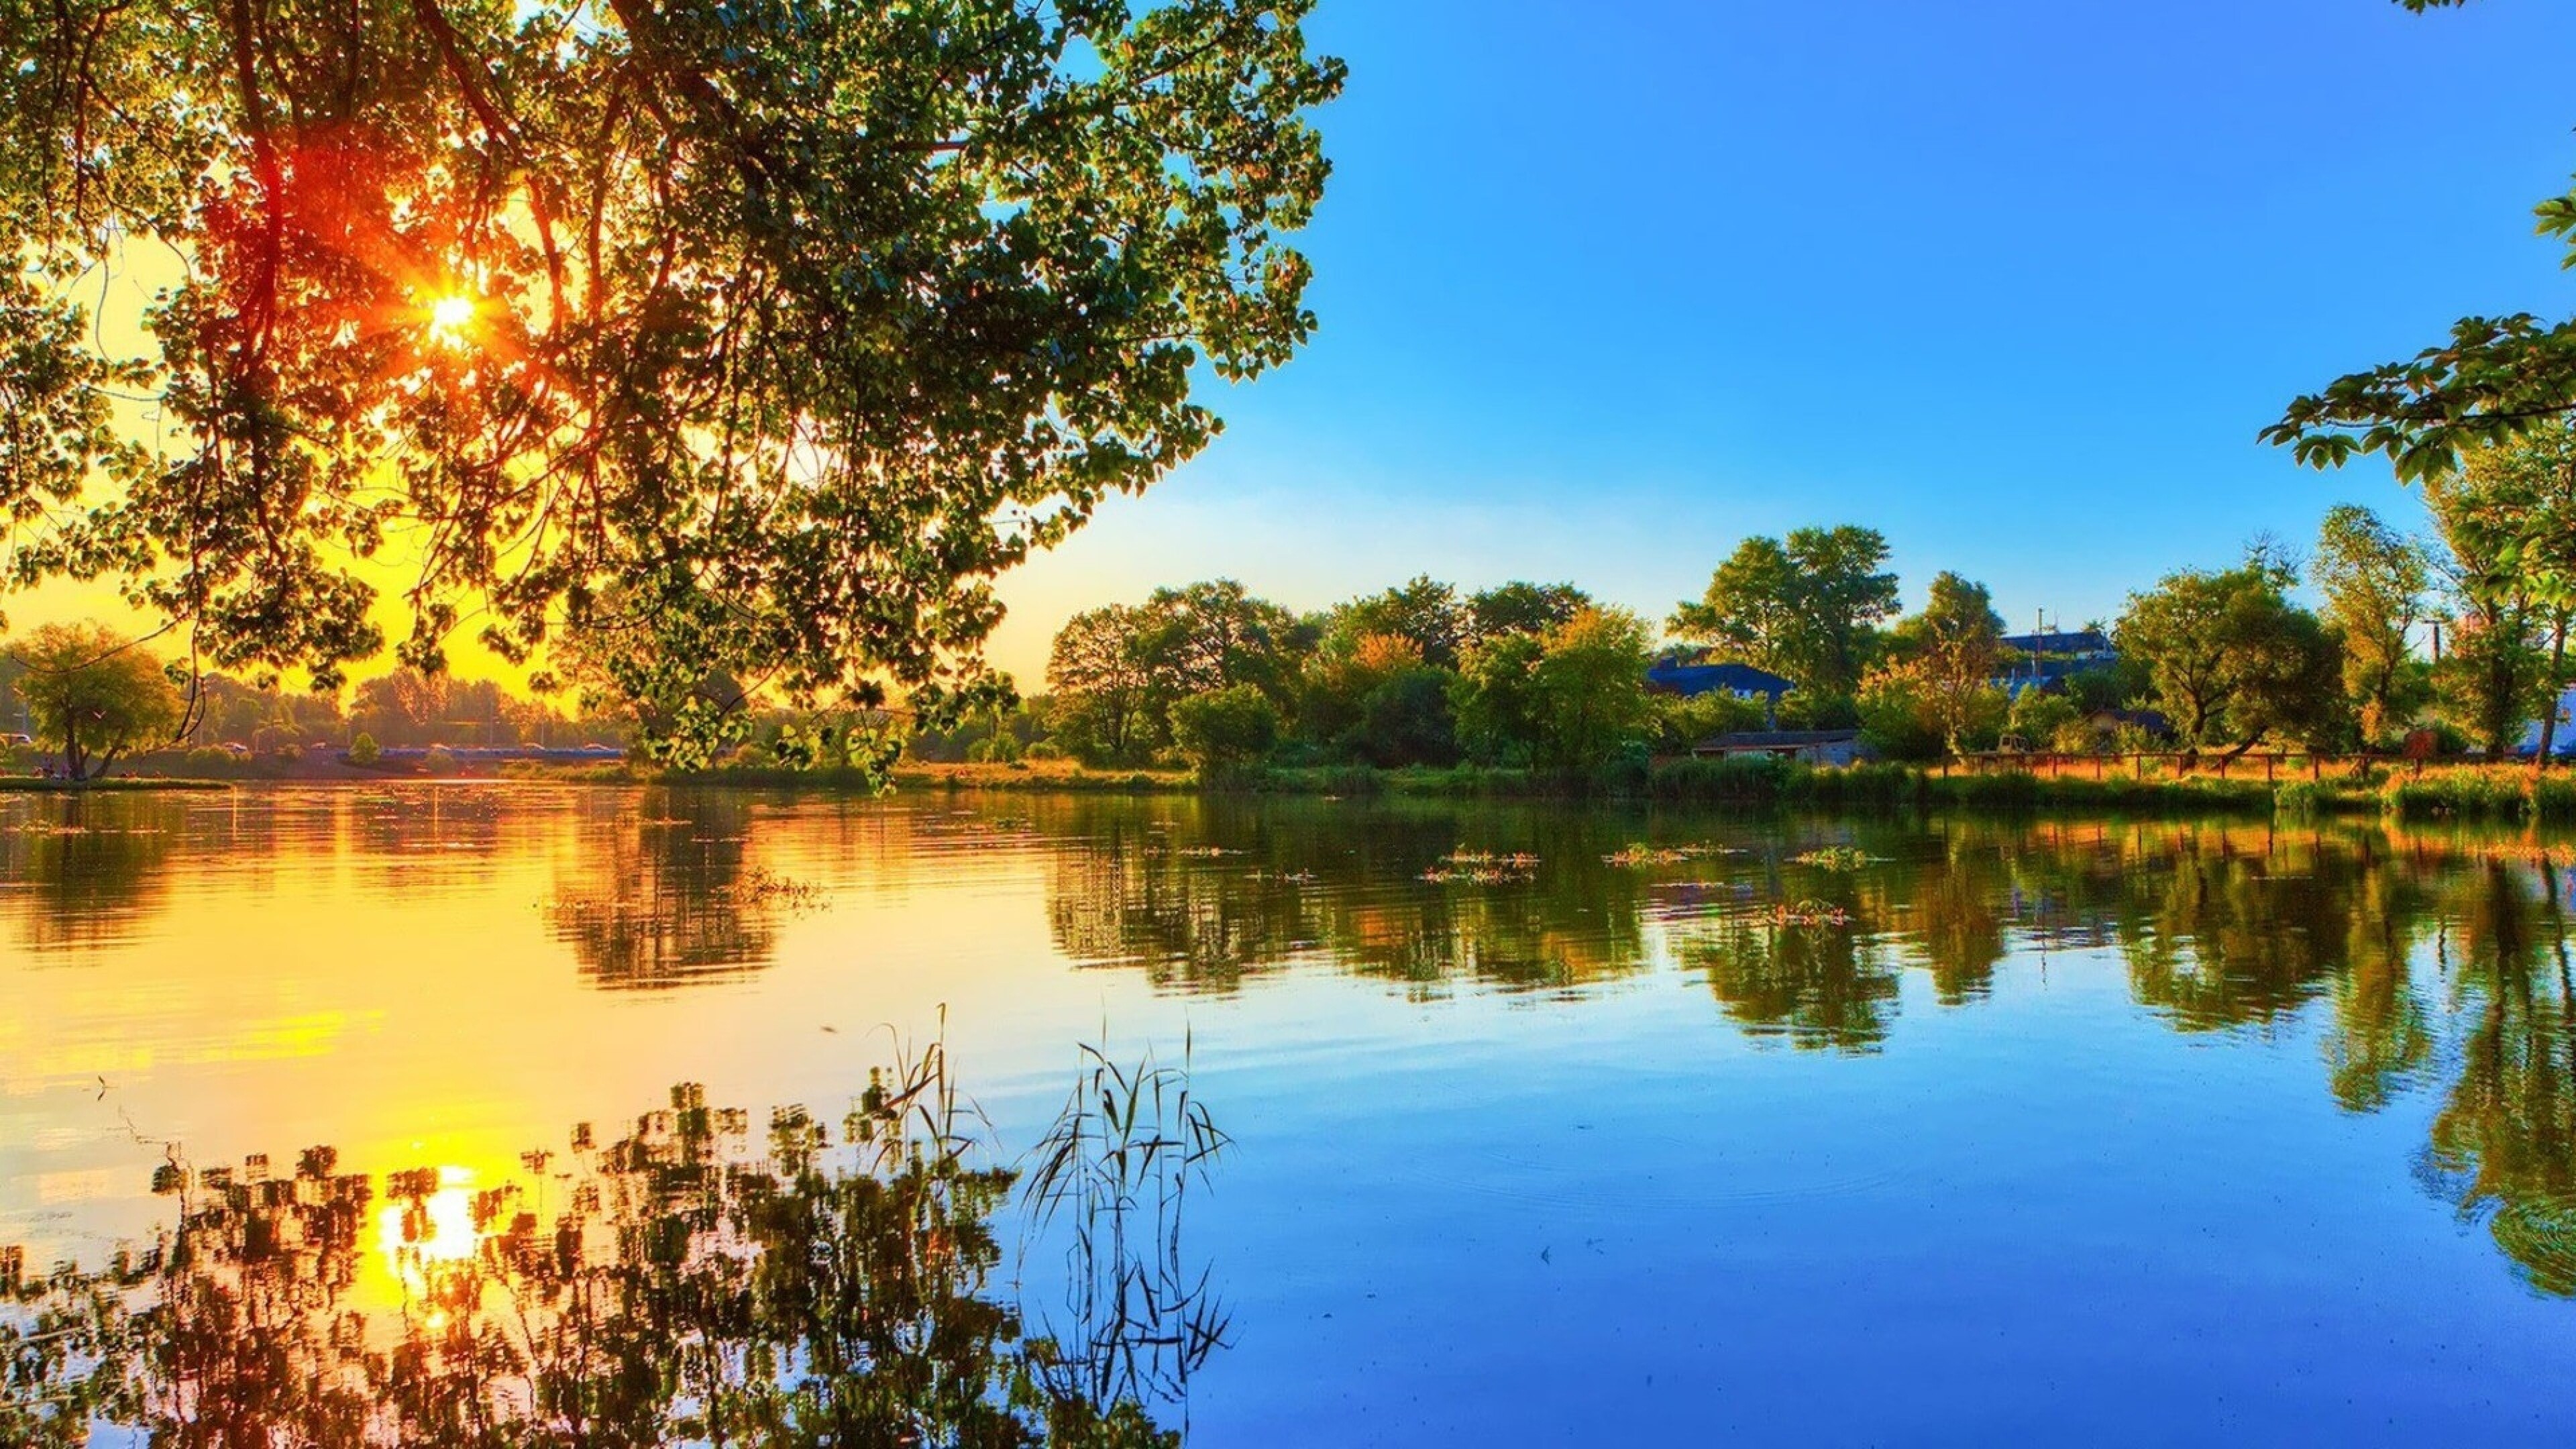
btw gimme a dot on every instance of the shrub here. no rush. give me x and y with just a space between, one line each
440 760
1225 727
363 752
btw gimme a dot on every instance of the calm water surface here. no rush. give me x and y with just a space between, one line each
1547 1126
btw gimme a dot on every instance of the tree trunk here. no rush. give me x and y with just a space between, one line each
2247 743
2550 697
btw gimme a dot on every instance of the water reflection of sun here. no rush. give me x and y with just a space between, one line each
417 1236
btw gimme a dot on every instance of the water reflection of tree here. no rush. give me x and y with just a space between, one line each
661 892
1817 985
2505 1143
1202 894
2231 937
87 870
831 1286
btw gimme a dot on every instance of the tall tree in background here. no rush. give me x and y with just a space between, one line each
1946 660
2519 503
1522 608
2230 660
2373 579
95 695
2498 670
1588 689
738 337
1099 682
1807 607
1421 609
1215 635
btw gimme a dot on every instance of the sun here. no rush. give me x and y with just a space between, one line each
449 317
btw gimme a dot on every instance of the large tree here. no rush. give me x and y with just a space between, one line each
749 336
1421 609
95 695
1215 635
2511 519
1946 660
1100 687
2230 660
2373 580
2496 517
1522 608
1807 607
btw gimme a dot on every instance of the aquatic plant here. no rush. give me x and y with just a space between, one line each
1636 855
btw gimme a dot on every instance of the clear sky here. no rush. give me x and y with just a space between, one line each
1606 285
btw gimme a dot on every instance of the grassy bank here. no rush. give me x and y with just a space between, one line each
2503 793
113 784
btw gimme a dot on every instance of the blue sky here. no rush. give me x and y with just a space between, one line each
1606 286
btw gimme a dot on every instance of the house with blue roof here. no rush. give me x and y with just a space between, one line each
1670 676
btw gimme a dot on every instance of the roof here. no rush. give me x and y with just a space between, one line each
1777 739
1691 679
2060 641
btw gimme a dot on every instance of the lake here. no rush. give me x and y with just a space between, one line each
1528 1125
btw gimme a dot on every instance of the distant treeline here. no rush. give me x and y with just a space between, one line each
2456 633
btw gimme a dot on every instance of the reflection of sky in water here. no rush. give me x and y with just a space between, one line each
2111 1130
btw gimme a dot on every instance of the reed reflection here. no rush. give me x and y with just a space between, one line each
689 1281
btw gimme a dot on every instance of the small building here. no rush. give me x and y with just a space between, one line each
2562 743
1743 681
1814 747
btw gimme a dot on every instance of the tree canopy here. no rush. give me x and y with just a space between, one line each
2374 581
94 695
2230 659
1805 607
744 337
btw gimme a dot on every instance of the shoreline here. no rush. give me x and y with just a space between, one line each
2508 794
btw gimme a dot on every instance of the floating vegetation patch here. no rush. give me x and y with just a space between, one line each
762 886
1836 857
1810 913
1203 852
1478 867
1665 854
